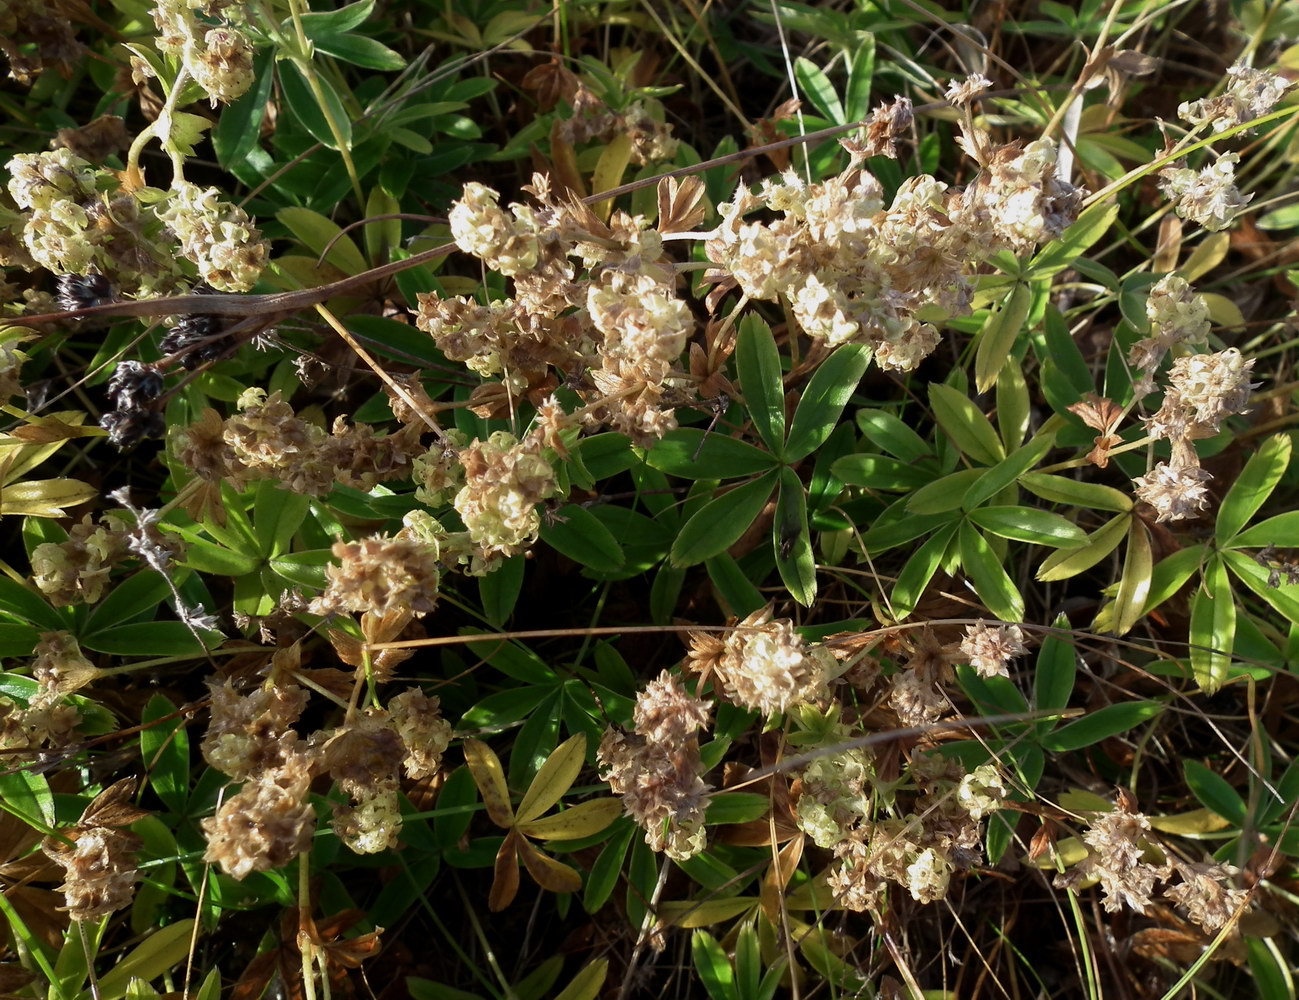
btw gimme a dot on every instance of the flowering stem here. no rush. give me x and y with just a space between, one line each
160 127
305 946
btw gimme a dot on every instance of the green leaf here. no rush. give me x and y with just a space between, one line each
1101 724
861 70
26 794
135 596
1281 531
145 639
944 495
207 557
360 51
827 393
1171 574
758 362
893 435
1284 598
882 537
971 432
1269 967
160 952
991 582
26 604
1134 584
792 539
316 233
240 124
607 869
580 535
818 89
1213 627
1252 487
695 454
713 966
1061 489
879 472
399 341
1070 562
1214 792
301 103
736 807
306 569
741 597
1053 680
1027 524
1000 332
499 590
1008 470
918 571
721 522
1014 408
1090 226
277 516
318 24
164 748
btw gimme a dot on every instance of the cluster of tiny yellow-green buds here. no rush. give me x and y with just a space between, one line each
217 236
218 57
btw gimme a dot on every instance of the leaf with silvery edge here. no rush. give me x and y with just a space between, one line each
1213 627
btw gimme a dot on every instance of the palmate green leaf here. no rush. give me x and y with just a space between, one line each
944 495
1000 332
1134 584
1101 724
721 522
1028 524
1061 489
1090 226
893 435
1213 627
989 578
918 571
135 596
580 535
277 516
898 530
1252 487
160 952
879 472
824 398
695 454
1069 562
1281 531
1005 472
758 362
301 103
792 540
971 431
1284 598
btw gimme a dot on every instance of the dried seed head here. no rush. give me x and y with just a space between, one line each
266 825
1176 492
382 574
1208 893
1209 196
423 731
990 648
373 823
216 235
250 734
1251 93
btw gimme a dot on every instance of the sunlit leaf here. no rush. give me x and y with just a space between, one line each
553 779
485 766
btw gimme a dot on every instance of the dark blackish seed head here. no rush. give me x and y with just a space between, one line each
197 339
127 428
135 385
81 291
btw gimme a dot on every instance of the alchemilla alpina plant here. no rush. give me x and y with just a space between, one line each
809 488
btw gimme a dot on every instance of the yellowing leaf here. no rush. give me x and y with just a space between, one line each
44 497
485 766
1190 824
691 913
609 170
1206 256
551 875
554 778
505 884
1134 584
1223 311
322 236
586 984
583 820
